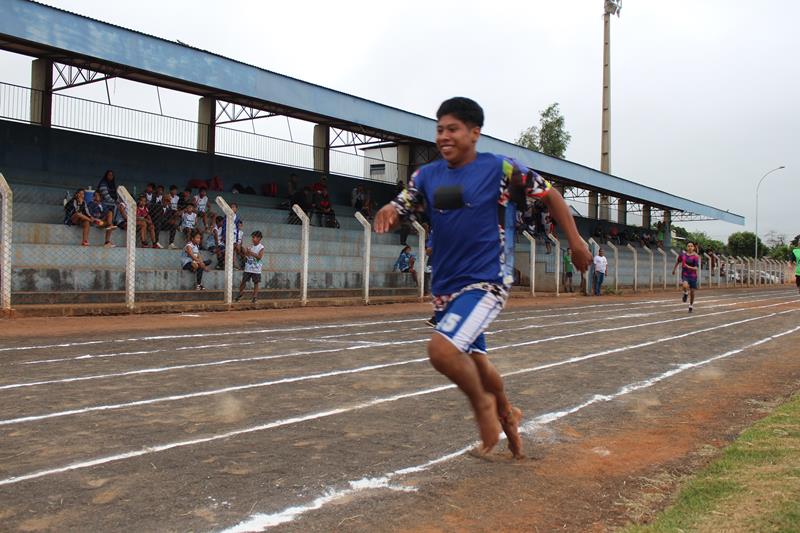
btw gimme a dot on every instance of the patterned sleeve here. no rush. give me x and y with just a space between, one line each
516 176
411 200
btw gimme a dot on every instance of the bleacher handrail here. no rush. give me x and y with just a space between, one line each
367 252
230 222
130 246
6 201
304 220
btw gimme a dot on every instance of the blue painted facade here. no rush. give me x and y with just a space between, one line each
83 36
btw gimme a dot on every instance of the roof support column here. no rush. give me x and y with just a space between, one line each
322 145
207 125
604 210
667 228
622 212
403 162
42 93
647 218
592 205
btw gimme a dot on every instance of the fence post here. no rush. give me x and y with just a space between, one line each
532 241
664 257
130 246
303 253
616 266
558 260
423 259
230 218
6 201
367 252
677 276
710 276
593 249
635 267
652 265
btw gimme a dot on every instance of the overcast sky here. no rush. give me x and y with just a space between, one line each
704 94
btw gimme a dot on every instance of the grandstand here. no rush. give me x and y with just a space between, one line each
53 143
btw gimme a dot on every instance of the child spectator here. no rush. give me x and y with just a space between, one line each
216 242
405 263
326 216
185 200
144 224
77 214
252 266
150 193
174 198
566 261
191 260
201 204
357 198
236 219
238 236
98 211
164 219
188 221
107 189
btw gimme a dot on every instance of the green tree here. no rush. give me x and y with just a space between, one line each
549 137
780 252
742 243
706 243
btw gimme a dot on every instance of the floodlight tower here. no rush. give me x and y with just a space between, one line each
612 7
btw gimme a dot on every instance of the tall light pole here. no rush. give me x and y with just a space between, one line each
612 7
758 187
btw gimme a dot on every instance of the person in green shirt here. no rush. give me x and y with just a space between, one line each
566 260
796 254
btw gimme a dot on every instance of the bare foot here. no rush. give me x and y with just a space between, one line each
488 425
510 423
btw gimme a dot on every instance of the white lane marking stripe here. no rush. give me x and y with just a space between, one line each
316 327
313 416
158 370
262 521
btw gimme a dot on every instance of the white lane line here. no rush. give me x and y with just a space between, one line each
324 414
262 521
170 368
157 370
316 327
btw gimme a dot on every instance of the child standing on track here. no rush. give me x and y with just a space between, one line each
690 267
471 199
252 265
796 254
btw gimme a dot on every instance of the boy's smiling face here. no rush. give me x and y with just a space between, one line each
456 140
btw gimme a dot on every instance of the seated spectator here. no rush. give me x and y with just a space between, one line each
188 221
185 200
613 234
192 261
238 237
320 186
368 206
201 205
150 193
76 213
107 189
405 263
121 214
327 218
216 241
164 219
144 224
291 190
357 198
98 211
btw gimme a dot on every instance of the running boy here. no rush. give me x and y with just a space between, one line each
796 254
690 267
252 266
470 198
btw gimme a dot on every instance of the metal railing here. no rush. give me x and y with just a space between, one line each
19 103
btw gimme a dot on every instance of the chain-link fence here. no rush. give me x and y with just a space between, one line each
68 246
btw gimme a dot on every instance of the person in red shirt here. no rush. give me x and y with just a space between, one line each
144 224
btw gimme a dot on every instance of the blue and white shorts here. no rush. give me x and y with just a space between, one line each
467 316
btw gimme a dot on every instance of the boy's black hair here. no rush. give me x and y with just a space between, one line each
188 189
256 233
466 110
219 218
151 184
173 188
202 189
160 187
195 233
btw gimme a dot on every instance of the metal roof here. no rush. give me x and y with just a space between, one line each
36 29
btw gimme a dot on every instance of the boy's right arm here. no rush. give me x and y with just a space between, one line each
559 210
402 207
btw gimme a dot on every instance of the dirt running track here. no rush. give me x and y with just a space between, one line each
332 419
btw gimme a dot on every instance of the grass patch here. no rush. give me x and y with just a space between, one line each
753 486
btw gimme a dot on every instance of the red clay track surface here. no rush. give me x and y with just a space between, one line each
332 419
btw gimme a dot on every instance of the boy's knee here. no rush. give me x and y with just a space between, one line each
441 351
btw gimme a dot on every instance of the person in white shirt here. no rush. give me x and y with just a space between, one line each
192 261
201 205
252 265
600 269
188 222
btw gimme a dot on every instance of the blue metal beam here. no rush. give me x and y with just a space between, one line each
76 35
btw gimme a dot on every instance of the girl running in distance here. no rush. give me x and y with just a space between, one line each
690 268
